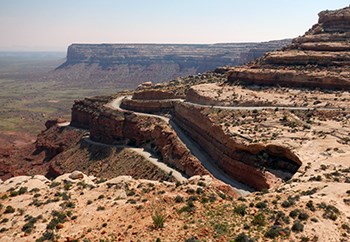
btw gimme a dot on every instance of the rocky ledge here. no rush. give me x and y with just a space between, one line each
318 59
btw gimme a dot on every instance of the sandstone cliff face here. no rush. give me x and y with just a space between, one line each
127 65
239 160
320 58
148 106
115 127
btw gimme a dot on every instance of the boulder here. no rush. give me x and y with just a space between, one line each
76 175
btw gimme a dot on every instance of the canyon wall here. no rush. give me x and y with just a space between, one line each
243 162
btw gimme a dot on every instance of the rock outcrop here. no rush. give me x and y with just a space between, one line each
318 59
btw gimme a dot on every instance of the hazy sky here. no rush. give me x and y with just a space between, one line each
55 24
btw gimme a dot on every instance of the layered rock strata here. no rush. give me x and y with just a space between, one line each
239 160
318 59
243 162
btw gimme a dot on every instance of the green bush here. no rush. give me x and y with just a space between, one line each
297 226
241 210
158 220
242 237
9 209
259 219
179 199
261 205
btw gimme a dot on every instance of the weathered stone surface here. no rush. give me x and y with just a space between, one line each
53 122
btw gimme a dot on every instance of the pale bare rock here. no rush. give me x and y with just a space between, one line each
76 175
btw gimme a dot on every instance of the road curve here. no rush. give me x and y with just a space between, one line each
209 164
118 101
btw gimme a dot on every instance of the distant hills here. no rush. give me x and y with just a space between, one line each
127 65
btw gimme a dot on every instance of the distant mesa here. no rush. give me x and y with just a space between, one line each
128 65
320 58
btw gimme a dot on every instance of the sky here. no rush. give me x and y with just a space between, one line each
52 25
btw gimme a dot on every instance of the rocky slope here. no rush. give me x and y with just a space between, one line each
318 59
76 207
127 65
59 150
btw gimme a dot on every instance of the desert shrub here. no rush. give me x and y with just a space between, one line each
192 239
130 193
330 211
261 205
158 220
204 200
192 198
22 190
188 208
100 208
35 190
303 216
179 199
67 186
220 228
28 227
199 190
58 217
13 193
242 237
4 220
54 184
309 192
212 198
131 201
190 191
310 206
286 204
297 226
47 236
241 210
315 220
101 180
259 219
273 232
9 209
222 195
294 213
